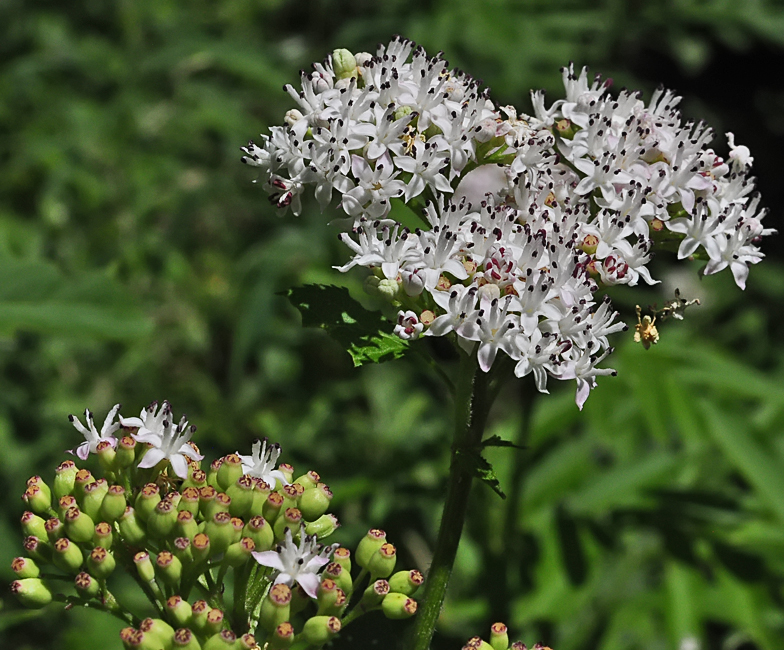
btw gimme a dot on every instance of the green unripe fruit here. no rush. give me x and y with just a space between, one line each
341 577
67 556
406 582
397 606
374 594
158 632
55 529
196 478
144 566
86 586
282 637
94 494
247 642
287 471
38 499
214 621
79 526
309 480
499 636
169 568
314 501
290 519
148 498
342 556
113 504
184 639
106 455
368 546
223 640
83 479
179 611
240 552
220 531
131 530
201 548
64 504
31 592
103 535
275 608
186 524
189 500
260 532
32 524
229 471
260 493
162 520
100 563
320 629
38 549
199 613
125 455
272 507
24 567
64 477
182 549
241 495
382 562
212 474
323 527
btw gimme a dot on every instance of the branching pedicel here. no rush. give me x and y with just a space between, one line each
527 217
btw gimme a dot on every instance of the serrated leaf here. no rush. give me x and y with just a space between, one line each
480 468
498 441
363 334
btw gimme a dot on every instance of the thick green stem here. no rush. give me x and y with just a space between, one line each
472 403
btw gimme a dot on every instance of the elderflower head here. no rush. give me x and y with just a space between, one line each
300 564
91 434
526 217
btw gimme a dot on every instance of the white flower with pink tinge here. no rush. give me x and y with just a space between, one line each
300 564
91 436
261 463
168 442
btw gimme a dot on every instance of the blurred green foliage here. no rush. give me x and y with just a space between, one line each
139 262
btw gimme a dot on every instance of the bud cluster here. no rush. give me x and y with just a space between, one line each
527 217
499 640
182 531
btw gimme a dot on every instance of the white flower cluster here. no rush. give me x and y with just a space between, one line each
526 216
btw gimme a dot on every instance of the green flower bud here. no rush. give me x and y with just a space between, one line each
260 493
31 592
148 498
106 454
64 477
220 532
282 637
214 621
272 507
323 527
240 552
223 640
397 606
370 286
382 562
241 495
131 530
189 501
368 546
309 480
113 504
199 613
179 611
212 474
162 520
499 636
341 577
184 639
197 478
94 494
201 548
37 549
290 519
144 566
169 568
287 471
315 501
260 532
344 64
275 608
38 499
55 529
374 594
67 556
86 586
83 479
100 563
342 556
320 629
186 524
402 111
388 289
32 524
182 549
79 526
567 130
229 471
24 567
407 582
125 455
157 631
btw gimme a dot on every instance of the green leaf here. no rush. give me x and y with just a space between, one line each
480 468
362 333
498 441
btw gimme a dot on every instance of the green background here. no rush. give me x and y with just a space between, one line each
138 261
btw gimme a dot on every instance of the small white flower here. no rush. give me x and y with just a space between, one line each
300 564
261 463
90 433
408 326
168 442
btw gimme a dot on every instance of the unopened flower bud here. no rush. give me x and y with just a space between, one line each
148 498
402 111
32 524
397 606
260 532
86 586
368 545
131 530
323 527
162 520
94 494
184 639
39 500
31 592
499 636
229 471
388 289
292 116
113 504
67 556
320 629
24 567
241 495
64 477
125 454
79 526
275 608
179 611
314 501
272 506
406 582
344 64
100 563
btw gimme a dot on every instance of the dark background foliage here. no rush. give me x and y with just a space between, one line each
139 262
